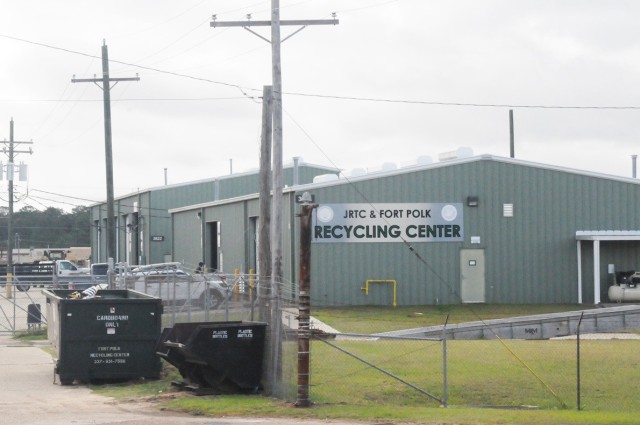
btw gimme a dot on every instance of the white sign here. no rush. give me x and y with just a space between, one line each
388 223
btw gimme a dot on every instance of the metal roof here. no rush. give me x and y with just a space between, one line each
214 179
608 235
413 168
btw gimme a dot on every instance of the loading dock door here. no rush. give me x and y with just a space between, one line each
472 275
212 253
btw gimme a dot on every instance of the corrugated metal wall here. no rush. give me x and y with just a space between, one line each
232 233
530 257
186 237
153 206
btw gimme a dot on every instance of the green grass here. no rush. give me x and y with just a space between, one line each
32 335
481 374
257 406
265 407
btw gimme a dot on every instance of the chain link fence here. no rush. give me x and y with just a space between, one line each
22 306
595 372
186 297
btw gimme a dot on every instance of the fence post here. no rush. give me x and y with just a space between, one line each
304 306
174 303
578 359
252 284
445 390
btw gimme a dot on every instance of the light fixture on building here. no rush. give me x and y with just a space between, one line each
472 201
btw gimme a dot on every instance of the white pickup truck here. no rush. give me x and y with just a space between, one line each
63 273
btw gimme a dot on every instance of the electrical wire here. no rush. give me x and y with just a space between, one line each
245 90
150 211
175 74
467 104
138 99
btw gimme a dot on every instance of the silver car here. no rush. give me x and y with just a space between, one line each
174 285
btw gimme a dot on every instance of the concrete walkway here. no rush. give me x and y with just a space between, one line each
28 396
290 320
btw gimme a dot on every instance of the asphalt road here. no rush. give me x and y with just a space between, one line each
28 395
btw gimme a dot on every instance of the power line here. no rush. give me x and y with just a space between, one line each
35 198
175 74
245 90
140 99
338 97
66 196
148 209
469 104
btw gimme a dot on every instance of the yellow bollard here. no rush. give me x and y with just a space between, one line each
236 289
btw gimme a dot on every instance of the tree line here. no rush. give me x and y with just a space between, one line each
51 228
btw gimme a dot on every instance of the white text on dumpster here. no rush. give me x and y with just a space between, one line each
222 334
111 354
245 333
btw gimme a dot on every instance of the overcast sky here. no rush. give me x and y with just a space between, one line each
395 80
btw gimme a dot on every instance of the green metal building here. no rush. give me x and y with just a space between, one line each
143 223
483 229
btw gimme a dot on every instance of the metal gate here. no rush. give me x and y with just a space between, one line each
21 310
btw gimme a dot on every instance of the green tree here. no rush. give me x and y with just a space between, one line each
52 227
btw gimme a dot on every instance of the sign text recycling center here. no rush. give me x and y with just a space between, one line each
345 223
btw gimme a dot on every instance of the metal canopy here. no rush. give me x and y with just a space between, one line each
608 235
596 236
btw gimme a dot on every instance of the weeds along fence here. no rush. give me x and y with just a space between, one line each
188 298
368 370
589 372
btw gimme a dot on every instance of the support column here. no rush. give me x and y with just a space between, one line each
579 272
596 272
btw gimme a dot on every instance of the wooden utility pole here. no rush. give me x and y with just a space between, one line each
106 91
277 207
275 23
264 222
304 303
10 175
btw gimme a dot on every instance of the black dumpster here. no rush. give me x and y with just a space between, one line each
112 336
226 356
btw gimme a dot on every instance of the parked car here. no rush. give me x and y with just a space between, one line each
99 273
171 283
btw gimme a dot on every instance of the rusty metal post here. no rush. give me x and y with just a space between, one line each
304 306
